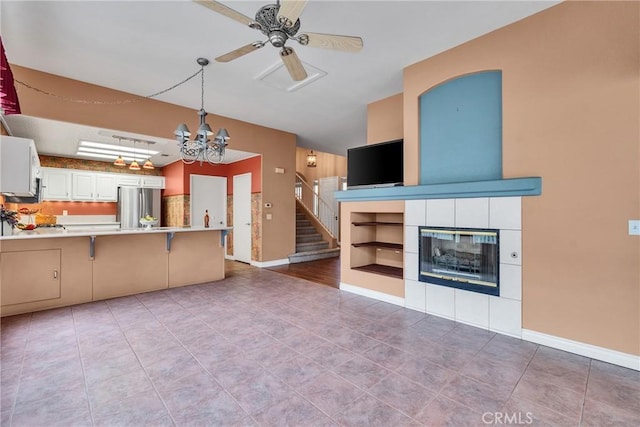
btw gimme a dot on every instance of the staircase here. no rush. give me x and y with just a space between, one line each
309 243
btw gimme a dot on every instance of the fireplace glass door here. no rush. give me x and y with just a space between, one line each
460 258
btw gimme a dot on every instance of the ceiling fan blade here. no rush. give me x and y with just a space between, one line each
234 54
227 11
293 64
334 41
290 11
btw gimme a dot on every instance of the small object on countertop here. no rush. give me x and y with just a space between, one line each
206 218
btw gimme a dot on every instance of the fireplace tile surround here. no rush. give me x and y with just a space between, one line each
502 313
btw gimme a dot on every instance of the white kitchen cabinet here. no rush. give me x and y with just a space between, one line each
56 184
87 186
151 181
91 186
83 186
106 189
127 180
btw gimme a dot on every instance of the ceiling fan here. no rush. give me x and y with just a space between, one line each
279 22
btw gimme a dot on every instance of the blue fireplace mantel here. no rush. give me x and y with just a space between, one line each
531 186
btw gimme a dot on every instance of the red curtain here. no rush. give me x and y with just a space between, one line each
8 96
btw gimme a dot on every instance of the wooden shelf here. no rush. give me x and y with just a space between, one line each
384 270
358 224
382 245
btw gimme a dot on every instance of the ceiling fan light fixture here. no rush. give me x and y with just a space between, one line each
280 22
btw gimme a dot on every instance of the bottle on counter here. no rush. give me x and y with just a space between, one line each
206 218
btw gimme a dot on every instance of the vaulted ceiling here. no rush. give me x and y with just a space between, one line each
142 47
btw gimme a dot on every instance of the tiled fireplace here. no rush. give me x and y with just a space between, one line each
499 309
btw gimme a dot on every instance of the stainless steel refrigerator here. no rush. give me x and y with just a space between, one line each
135 203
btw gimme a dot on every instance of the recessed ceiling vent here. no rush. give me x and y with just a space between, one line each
278 77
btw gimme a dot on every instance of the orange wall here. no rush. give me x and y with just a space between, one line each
570 115
156 118
179 174
385 119
174 179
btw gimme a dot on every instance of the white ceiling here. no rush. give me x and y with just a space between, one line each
142 47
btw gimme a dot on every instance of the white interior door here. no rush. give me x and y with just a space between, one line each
242 217
208 193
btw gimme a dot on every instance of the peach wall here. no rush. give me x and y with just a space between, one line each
156 118
385 119
570 115
375 282
327 165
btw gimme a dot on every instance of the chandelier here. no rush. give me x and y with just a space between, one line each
201 148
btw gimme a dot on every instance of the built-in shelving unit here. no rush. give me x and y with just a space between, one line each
376 243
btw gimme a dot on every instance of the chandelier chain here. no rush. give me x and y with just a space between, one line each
115 102
202 87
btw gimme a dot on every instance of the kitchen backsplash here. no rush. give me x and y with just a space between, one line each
90 165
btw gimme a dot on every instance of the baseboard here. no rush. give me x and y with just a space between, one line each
599 353
380 296
230 257
273 263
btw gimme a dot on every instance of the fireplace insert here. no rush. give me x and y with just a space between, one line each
462 258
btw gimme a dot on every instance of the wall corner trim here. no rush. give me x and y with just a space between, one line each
380 296
274 263
600 353
531 186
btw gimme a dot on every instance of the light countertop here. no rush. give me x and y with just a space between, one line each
50 232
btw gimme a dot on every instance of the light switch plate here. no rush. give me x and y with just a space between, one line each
634 227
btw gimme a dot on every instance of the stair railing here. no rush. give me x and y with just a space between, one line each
315 205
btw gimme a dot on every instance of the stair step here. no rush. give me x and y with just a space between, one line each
313 255
306 230
306 238
303 223
311 246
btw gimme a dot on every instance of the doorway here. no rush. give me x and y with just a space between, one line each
208 195
242 217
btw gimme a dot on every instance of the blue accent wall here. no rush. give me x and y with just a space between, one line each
461 130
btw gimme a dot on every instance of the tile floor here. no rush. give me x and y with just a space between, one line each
261 348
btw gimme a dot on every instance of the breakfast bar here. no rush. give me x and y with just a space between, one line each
48 268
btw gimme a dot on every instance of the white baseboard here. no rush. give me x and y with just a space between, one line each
380 296
600 353
273 263
229 257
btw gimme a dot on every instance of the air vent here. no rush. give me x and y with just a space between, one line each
278 77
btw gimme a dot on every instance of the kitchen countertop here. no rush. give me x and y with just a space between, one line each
50 232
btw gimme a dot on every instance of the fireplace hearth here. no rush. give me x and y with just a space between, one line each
462 258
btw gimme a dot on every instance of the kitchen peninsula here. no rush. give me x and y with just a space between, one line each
43 269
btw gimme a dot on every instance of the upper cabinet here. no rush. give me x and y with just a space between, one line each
56 184
150 181
106 187
83 186
75 185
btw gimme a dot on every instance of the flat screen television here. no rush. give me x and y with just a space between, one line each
376 165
